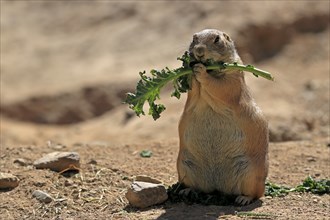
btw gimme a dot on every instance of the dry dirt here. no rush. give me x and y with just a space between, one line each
65 69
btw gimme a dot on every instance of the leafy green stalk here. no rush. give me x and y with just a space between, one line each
249 68
308 185
314 186
255 215
275 190
148 88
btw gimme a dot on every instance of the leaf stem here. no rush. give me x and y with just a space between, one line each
232 66
249 68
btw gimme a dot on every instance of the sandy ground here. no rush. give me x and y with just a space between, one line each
65 69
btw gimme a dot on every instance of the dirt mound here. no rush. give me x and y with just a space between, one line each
67 108
265 41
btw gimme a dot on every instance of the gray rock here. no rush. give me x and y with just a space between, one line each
58 161
144 194
42 196
8 181
148 179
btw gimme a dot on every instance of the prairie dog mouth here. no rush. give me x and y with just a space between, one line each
214 73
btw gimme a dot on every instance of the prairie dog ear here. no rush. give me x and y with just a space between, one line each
195 38
227 37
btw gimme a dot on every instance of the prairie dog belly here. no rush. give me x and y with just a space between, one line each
214 150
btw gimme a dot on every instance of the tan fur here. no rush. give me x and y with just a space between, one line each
223 134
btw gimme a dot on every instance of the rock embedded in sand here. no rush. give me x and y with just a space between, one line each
8 181
42 196
144 194
58 161
92 161
21 162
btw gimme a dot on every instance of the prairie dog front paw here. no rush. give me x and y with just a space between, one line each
200 72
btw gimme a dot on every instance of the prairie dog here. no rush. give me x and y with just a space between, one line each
223 134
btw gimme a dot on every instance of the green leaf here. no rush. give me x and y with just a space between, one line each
146 153
275 190
314 186
308 185
148 87
255 215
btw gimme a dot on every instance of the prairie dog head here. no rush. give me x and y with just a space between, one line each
213 44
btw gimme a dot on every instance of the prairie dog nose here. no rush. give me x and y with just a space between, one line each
199 50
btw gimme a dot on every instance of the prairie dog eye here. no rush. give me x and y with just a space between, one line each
217 39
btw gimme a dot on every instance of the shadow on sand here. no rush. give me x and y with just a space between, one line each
183 211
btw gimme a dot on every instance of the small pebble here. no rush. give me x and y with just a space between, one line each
21 162
59 147
68 182
143 194
148 179
92 161
311 159
8 181
42 196
59 161
39 184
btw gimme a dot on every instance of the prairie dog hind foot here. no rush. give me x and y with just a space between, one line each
243 200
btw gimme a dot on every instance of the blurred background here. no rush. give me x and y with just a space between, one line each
66 65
